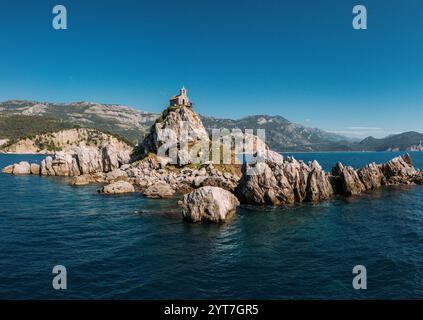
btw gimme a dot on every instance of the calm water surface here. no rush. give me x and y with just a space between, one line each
135 248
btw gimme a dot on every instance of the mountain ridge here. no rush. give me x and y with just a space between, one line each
20 118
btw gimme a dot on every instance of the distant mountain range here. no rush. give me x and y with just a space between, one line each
283 135
19 119
404 141
121 120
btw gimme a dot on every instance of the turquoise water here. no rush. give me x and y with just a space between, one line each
134 248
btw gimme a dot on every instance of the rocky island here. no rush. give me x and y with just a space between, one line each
211 188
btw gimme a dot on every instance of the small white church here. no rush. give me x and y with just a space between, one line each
181 99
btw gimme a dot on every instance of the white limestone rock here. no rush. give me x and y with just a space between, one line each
209 204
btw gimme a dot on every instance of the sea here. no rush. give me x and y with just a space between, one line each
132 247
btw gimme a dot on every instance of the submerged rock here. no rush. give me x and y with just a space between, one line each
119 187
209 204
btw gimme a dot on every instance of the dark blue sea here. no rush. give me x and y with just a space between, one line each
130 247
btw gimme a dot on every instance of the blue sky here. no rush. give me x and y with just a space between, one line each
298 59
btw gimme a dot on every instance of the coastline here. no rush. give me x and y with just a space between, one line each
280 152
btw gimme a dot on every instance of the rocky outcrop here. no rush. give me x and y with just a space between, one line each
297 173
159 190
35 169
209 204
176 124
275 181
113 157
371 176
287 181
116 175
399 170
151 171
257 189
60 164
319 186
85 160
22 168
119 187
349 183
264 186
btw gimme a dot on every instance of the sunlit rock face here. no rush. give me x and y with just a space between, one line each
177 127
209 204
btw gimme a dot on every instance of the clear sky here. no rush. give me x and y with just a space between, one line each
298 59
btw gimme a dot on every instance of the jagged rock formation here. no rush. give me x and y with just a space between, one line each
85 160
349 181
399 170
283 181
175 124
150 172
292 181
209 204
371 176
319 186
418 178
